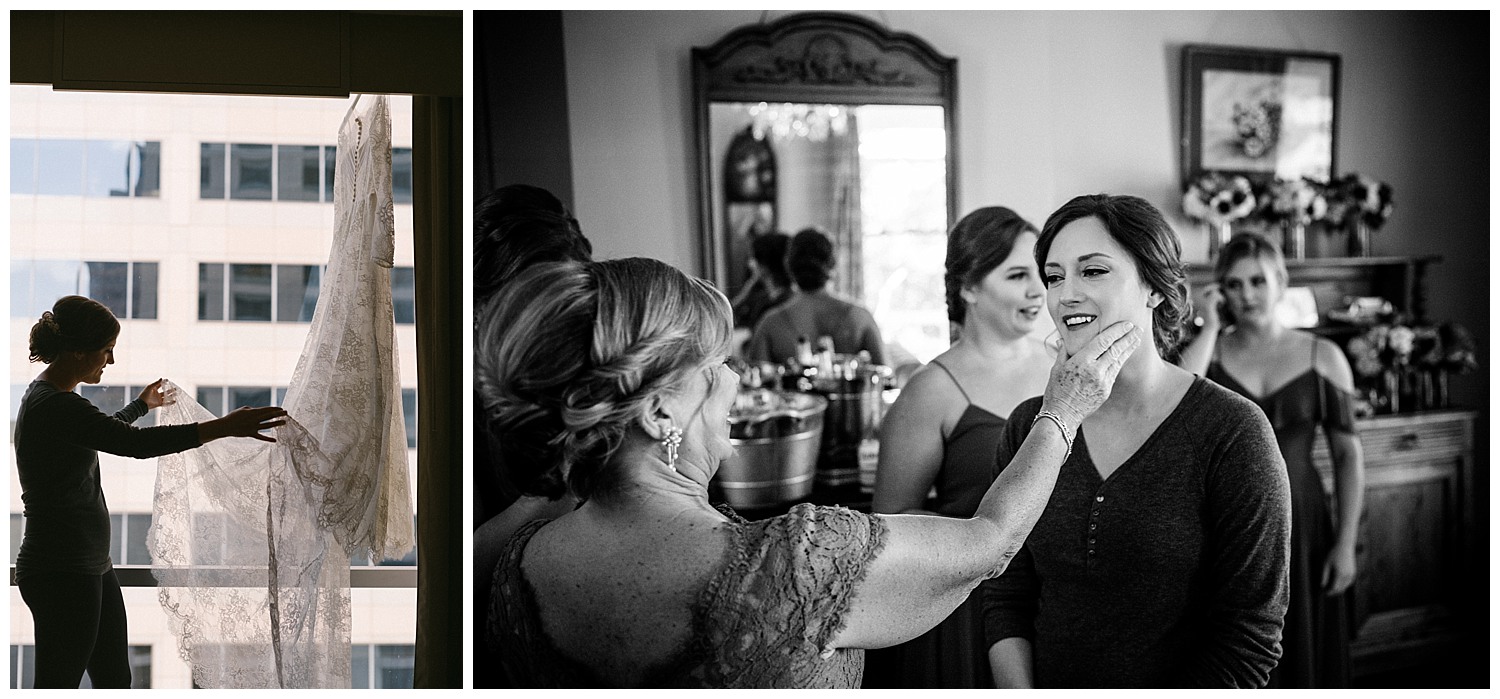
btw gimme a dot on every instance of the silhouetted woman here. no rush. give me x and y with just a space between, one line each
63 568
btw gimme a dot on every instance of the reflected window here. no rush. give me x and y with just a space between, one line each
127 288
250 171
250 292
91 168
401 175
212 170
298 173
258 292
404 294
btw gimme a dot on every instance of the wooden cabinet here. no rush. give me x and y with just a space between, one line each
1416 537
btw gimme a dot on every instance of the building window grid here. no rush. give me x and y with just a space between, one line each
23 668
217 282
222 156
134 298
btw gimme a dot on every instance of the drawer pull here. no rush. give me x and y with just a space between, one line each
1408 441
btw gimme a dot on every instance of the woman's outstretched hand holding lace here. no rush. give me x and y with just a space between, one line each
243 422
157 394
1081 383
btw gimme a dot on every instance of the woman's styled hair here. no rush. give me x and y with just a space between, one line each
75 324
517 226
1141 229
978 243
572 354
1252 246
769 251
809 259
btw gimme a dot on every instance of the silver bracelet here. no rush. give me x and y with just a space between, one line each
1067 439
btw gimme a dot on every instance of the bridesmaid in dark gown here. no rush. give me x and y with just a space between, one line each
940 435
1301 381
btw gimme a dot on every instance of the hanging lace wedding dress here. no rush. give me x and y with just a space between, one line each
251 541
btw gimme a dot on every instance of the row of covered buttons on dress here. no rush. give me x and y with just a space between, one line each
1094 523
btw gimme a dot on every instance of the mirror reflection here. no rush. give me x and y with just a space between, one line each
871 177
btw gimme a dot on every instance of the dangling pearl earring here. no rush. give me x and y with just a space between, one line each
671 441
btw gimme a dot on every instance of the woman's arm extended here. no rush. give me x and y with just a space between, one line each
930 564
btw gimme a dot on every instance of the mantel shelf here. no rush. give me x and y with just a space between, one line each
1325 262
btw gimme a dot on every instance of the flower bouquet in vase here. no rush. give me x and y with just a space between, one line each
1218 200
1359 205
1293 204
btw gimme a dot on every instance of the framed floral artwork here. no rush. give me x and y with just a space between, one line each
1259 113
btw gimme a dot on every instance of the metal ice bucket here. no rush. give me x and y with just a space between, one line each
855 409
776 437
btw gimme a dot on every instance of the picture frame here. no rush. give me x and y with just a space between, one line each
1264 114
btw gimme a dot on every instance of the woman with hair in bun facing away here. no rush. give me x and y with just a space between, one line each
63 568
1161 558
942 432
612 378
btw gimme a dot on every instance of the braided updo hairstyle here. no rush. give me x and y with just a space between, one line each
1144 233
570 355
75 324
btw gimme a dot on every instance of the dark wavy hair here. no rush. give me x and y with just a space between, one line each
809 259
517 226
1142 230
569 357
978 243
75 324
769 251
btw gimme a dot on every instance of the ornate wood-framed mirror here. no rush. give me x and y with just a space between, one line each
832 121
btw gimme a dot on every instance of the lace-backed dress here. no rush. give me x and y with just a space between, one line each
764 619
251 541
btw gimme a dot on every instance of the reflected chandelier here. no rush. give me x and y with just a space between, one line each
787 120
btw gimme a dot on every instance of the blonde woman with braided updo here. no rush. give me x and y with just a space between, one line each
610 377
63 568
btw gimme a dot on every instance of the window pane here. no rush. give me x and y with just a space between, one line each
403 294
212 397
17 528
250 292
22 166
37 284
106 284
115 531
330 154
281 396
107 169
106 398
136 553
297 169
359 667
394 665
210 292
211 171
296 292
248 396
145 171
409 412
143 290
140 667
59 167
401 175
249 171
147 420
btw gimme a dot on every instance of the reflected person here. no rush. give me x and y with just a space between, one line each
813 312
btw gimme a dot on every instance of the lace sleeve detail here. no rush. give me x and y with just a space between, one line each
771 614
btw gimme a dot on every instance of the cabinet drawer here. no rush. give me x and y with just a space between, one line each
1407 439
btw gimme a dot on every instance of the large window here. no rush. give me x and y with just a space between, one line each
90 168
129 289
23 668
279 172
111 399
